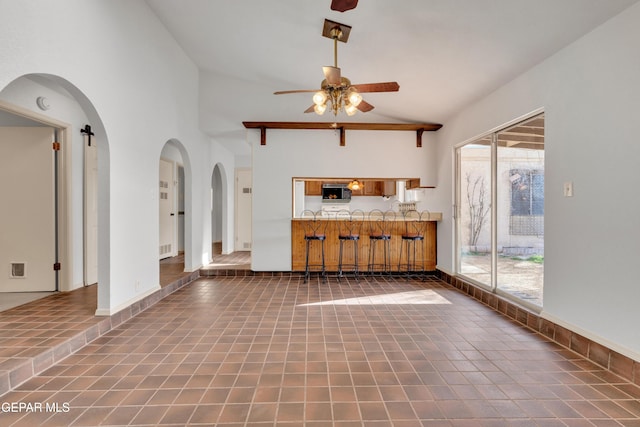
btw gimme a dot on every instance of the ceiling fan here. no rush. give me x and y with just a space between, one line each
336 89
343 5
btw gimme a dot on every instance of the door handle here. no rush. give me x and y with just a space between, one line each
172 214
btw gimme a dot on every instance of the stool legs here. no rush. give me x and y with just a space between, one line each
307 271
410 247
386 256
355 257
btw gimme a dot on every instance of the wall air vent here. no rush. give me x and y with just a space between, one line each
18 270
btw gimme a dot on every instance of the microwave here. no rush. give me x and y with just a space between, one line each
335 193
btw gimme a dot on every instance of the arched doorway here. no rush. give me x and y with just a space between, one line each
56 106
174 221
217 211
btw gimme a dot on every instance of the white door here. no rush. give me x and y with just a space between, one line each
243 210
167 213
180 209
90 211
27 217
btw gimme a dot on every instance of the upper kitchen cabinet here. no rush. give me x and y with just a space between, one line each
413 183
313 188
371 187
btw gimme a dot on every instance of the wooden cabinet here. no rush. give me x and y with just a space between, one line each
388 188
413 183
373 188
313 188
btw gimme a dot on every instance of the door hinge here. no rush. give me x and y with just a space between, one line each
56 146
57 266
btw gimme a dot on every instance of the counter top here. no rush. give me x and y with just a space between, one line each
432 216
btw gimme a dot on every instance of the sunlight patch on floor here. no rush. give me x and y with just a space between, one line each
423 296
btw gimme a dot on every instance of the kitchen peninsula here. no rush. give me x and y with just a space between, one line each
331 200
397 228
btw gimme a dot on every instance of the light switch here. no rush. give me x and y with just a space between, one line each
568 189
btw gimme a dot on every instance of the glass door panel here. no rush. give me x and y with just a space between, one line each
520 210
474 210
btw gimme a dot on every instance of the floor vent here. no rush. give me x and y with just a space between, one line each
165 249
18 270
246 245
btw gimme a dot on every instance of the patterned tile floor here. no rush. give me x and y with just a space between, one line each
35 333
272 351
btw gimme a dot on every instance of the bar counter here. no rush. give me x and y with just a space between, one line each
332 245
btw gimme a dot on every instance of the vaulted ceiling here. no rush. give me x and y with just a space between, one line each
445 54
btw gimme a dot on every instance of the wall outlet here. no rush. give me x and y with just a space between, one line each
568 189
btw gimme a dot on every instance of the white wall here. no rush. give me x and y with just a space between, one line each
145 91
590 92
313 153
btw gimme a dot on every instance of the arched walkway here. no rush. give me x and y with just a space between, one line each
174 219
63 107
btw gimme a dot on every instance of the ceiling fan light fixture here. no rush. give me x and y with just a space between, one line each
354 97
320 109
335 88
320 97
350 109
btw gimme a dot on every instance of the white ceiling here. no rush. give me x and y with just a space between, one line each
444 53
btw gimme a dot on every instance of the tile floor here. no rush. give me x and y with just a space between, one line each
14 299
34 334
272 351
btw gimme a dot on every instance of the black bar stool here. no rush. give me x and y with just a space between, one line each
380 224
314 231
349 228
412 241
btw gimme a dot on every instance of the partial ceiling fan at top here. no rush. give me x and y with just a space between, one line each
337 90
343 5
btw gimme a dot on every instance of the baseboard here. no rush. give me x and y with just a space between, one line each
605 354
124 305
593 337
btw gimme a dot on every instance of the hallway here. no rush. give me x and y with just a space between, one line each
266 351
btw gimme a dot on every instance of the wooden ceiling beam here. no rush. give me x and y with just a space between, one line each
419 128
429 127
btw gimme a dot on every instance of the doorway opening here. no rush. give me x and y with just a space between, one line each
217 211
57 103
171 211
29 248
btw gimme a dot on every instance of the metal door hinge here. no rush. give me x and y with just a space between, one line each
56 146
57 266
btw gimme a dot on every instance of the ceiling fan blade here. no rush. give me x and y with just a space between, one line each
377 87
310 109
343 5
285 92
364 106
332 74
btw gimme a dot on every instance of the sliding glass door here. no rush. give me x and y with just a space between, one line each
500 210
474 210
